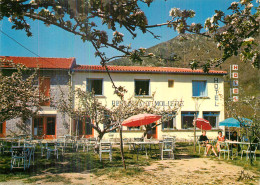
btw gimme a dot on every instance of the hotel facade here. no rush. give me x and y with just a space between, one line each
198 93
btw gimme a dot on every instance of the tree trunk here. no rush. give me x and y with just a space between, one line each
194 138
122 148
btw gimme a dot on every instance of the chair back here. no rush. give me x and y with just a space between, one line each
253 147
167 145
105 146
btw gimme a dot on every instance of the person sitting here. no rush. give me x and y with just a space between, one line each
220 138
204 142
235 137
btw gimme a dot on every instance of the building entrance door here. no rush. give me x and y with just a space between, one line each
44 127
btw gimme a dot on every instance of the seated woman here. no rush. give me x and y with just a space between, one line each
220 138
204 141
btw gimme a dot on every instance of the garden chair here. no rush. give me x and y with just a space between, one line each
60 144
90 144
52 147
105 147
19 156
30 154
22 155
202 146
224 147
167 147
249 150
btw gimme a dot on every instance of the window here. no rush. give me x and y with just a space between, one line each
170 83
88 127
199 89
50 126
44 127
107 122
134 128
95 85
212 117
142 87
44 88
83 127
187 119
169 125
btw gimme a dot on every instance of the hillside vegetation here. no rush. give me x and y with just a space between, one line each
179 51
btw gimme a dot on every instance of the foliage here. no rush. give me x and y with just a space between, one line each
84 18
19 96
246 107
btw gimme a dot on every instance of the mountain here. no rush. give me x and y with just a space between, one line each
179 51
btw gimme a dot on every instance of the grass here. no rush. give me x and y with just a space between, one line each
82 162
74 162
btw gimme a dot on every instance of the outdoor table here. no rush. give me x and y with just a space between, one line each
139 144
239 143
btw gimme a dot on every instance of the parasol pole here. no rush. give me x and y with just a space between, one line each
194 121
229 132
122 147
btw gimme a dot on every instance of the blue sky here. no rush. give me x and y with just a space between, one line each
55 42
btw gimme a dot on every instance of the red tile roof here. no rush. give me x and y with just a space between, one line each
42 62
141 69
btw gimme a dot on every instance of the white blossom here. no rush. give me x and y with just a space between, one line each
250 5
175 12
250 39
234 3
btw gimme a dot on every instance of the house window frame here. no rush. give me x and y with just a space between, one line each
84 126
170 82
45 124
109 123
212 114
149 87
138 128
173 123
206 89
102 86
190 114
48 95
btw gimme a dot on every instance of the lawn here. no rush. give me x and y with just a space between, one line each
88 162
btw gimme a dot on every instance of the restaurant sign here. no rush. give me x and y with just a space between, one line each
173 103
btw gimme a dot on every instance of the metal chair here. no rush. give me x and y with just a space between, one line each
22 155
167 147
224 147
249 150
202 145
105 147
52 147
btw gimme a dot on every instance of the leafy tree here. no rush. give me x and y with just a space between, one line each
19 97
83 17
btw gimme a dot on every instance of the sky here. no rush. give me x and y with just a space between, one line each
54 42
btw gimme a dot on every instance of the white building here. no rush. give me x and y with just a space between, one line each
199 93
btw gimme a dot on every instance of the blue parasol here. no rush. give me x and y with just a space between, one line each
232 122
